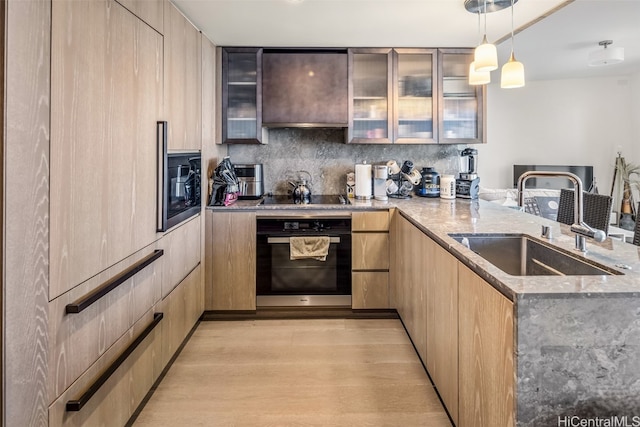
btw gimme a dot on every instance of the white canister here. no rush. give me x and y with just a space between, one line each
447 187
363 181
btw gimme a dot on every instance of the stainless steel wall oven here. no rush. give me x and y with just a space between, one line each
179 183
282 281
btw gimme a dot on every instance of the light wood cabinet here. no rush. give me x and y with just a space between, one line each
231 241
370 251
486 344
150 11
115 401
181 313
408 275
442 323
370 221
370 290
77 340
181 253
370 260
182 81
106 93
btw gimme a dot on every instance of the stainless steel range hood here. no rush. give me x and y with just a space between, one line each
304 88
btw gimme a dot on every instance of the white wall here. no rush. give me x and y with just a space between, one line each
561 122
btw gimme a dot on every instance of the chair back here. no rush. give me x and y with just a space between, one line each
596 209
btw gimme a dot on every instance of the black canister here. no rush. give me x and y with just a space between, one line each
429 184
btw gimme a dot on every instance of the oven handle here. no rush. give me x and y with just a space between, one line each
287 240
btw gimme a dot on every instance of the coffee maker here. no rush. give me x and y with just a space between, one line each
468 183
380 175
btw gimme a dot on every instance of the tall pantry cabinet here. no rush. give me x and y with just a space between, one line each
82 104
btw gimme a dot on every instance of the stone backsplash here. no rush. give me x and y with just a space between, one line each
323 153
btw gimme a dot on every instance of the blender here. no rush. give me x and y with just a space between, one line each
468 182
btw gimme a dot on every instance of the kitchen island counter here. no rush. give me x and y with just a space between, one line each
576 339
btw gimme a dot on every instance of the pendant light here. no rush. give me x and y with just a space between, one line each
478 77
606 56
486 54
513 71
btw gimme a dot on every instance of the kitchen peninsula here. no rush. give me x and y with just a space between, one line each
530 349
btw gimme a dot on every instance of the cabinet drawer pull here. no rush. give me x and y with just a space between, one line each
84 302
76 405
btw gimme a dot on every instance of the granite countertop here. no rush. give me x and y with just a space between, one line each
437 218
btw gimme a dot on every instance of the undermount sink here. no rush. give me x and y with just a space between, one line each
521 255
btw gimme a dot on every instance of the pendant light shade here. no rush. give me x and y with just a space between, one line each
513 71
478 77
512 74
486 56
606 56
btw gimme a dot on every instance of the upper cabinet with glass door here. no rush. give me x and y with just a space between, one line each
241 95
415 96
461 106
370 95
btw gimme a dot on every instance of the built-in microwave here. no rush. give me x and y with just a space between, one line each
179 183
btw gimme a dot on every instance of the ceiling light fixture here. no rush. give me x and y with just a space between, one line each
513 71
478 77
486 55
606 56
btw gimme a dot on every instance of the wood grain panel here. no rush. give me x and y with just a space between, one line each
370 221
77 340
26 191
486 358
106 94
114 403
182 252
442 324
411 272
370 251
182 80
234 261
181 313
150 11
369 289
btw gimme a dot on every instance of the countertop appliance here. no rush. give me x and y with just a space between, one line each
179 183
468 183
283 282
250 180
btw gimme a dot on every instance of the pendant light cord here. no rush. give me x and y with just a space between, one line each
512 27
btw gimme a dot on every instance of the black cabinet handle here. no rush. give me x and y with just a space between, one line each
76 405
82 303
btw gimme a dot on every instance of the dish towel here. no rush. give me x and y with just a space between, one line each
309 247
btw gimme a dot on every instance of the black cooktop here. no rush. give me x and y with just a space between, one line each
316 199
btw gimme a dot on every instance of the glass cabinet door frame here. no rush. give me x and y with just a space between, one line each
481 98
226 51
350 132
435 90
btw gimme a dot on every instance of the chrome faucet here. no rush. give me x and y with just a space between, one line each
579 227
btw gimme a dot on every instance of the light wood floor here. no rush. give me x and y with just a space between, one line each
331 372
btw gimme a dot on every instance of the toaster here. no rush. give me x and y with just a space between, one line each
250 179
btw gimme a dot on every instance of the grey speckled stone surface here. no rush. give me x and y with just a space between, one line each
578 357
323 153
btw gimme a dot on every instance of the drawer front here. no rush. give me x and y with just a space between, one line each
119 396
370 251
77 340
182 253
370 221
370 290
182 308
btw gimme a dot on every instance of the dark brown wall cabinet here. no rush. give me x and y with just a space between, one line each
304 88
